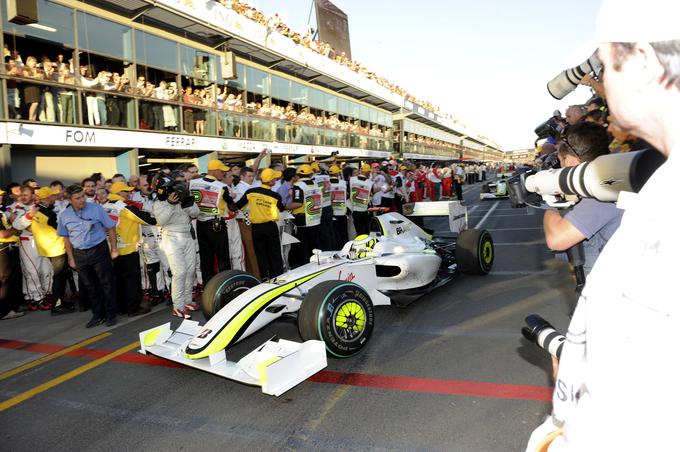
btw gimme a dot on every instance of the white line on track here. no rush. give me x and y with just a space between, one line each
483 220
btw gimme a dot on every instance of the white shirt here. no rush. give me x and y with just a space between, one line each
379 182
276 185
240 190
621 349
433 178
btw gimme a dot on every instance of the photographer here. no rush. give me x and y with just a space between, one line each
590 221
174 216
617 378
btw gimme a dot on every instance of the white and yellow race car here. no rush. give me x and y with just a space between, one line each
495 190
333 297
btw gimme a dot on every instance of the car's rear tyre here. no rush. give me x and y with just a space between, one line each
486 188
474 251
224 287
340 313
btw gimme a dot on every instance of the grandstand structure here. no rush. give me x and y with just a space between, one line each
124 86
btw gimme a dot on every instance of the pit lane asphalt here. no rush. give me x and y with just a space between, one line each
464 333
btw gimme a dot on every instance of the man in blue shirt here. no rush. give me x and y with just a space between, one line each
85 227
590 221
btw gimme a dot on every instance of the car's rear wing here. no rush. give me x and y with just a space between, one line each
453 210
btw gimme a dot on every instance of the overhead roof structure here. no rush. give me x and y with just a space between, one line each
168 15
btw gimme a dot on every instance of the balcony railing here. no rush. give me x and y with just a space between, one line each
64 102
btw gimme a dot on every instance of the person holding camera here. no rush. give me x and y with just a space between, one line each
617 377
174 214
590 222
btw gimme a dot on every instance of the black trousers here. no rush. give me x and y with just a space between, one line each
361 220
10 279
95 270
326 232
128 282
268 249
340 227
212 246
146 114
113 110
309 240
60 273
458 188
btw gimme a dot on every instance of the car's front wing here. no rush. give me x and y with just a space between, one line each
276 366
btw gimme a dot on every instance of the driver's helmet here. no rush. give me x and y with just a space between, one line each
361 245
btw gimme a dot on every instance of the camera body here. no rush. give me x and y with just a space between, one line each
550 128
162 186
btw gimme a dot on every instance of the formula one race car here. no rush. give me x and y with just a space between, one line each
495 190
401 259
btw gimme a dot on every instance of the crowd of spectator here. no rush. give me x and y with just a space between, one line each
275 23
103 106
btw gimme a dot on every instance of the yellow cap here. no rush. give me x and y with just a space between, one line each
334 169
217 165
315 167
402 167
269 175
365 168
305 170
118 187
46 192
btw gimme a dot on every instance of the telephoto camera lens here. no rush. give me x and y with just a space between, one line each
542 333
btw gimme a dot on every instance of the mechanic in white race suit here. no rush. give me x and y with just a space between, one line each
180 248
617 384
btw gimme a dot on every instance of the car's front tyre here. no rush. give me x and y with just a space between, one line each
224 287
340 313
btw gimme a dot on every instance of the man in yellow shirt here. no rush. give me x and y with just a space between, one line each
265 205
128 216
43 222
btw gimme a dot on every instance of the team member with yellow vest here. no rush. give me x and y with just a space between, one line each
339 206
128 216
42 220
360 195
211 196
326 232
307 195
10 269
265 205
